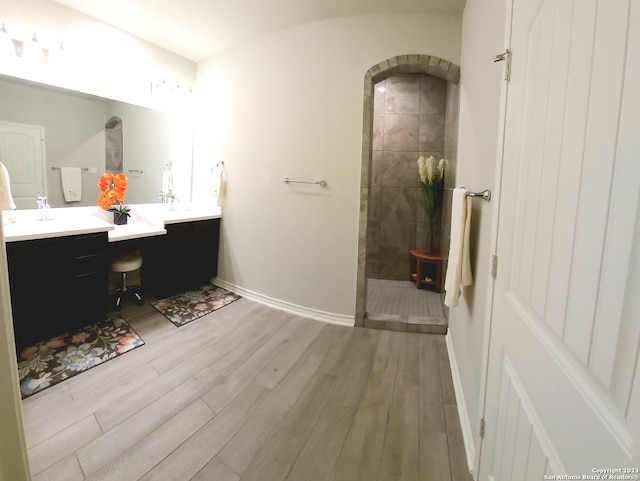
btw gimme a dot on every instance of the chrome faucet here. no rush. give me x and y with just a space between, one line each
44 207
169 198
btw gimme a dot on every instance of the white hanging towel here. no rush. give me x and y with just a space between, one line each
6 199
220 188
459 267
71 183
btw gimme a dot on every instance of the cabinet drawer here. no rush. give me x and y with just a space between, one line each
90 263
87 244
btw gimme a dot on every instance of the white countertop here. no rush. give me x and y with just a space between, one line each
163 214
146 220
56 227
134 230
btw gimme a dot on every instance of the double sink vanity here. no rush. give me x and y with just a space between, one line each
59 268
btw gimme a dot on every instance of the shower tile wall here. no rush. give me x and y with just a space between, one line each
409 121
113 145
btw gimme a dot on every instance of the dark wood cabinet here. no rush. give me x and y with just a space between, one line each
61 284
57 285
185 258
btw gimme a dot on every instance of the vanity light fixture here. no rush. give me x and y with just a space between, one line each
183 89
56 56
158 86
162 87
7 48
32 52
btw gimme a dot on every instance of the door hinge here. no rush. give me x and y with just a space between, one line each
506 58
494 266
482 424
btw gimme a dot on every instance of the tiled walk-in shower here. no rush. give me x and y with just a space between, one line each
398 305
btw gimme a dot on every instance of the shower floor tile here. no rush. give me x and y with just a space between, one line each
399 306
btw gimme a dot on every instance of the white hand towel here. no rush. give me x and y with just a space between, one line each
459 267
220 189
71 183
6 199
167 182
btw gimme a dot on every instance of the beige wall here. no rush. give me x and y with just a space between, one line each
290 105
480 88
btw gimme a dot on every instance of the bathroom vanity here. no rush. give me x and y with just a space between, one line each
59 269
57 284
185 258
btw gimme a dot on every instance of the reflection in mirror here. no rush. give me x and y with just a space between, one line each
75 136
113 145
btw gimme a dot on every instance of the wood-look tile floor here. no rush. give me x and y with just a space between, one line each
253 393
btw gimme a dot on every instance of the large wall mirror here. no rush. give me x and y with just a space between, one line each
74 128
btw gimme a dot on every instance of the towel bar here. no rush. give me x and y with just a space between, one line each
485 194
321 183
84 169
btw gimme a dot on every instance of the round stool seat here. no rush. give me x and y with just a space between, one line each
126 262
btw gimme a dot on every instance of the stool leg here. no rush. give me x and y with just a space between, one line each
125 290
121 291
138 298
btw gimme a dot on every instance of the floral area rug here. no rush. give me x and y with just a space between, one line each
191 305
50 362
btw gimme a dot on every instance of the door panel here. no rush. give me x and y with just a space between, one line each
524 455
22 153
565 331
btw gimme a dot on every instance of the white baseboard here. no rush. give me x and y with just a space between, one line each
318 315
465 423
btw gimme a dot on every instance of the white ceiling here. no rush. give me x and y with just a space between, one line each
198 29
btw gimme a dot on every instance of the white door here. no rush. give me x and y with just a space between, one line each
563 383
22 153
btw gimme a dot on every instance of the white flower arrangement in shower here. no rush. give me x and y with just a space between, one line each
431 173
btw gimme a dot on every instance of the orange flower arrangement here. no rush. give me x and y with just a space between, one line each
112 189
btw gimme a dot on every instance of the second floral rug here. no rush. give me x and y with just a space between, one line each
191 305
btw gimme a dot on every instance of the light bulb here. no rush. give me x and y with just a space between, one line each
56 55
7 49
32 52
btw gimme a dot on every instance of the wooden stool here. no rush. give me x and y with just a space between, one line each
425 270
125 263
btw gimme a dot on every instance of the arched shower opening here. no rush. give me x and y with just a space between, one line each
410 109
